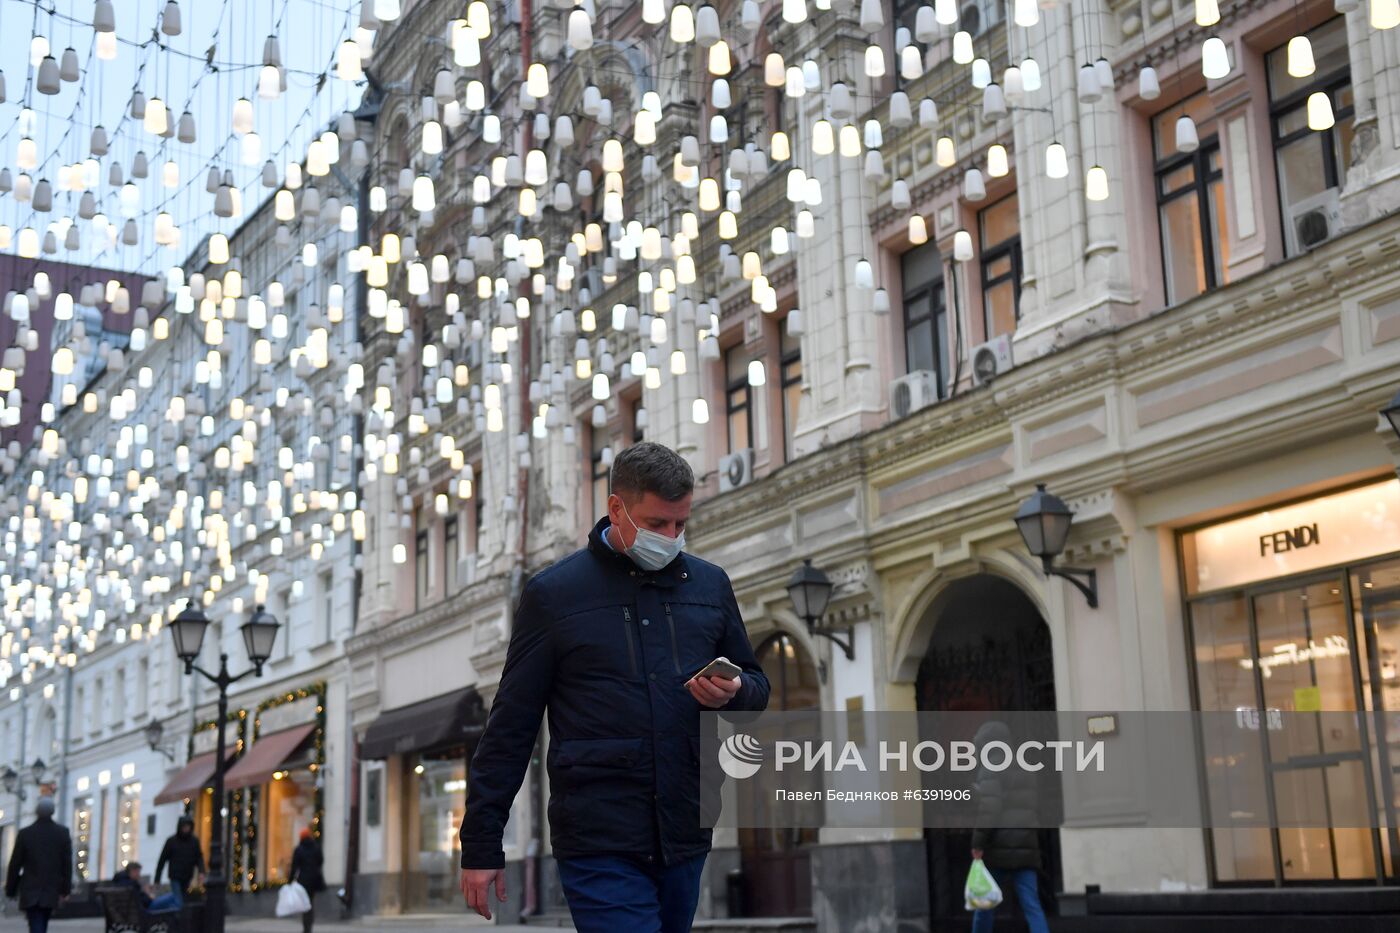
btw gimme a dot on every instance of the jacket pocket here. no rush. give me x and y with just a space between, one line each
631 640
675 644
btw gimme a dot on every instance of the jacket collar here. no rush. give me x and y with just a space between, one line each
673 574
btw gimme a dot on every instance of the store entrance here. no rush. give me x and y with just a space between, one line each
990 651
1328 643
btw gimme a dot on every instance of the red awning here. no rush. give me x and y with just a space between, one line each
193 777
265 757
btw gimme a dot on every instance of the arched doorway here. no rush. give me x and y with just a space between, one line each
989 650
777 861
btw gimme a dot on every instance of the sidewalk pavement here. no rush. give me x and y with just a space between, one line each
10 923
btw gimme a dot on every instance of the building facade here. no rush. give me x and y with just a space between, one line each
1208 345
873 319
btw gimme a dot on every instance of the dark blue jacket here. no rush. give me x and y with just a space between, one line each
607 648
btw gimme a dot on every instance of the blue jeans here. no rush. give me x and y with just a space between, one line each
1023 881
609 893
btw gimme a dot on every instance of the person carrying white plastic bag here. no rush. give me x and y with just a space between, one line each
292 899
1004 844
981 891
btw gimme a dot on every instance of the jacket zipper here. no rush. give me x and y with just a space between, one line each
675 651
631 643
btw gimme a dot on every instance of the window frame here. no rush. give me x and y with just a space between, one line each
1009 247
787 378
422 554
732 387
1199 187
597 471
936 314
451 551
1334 175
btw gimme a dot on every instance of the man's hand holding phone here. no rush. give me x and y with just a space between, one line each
716 683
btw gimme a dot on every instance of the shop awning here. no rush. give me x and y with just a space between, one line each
266 757
193 777
451 719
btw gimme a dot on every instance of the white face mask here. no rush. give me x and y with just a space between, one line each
650 550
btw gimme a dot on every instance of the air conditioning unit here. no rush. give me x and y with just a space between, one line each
1314 220
736 469
991 359
909 393
977 16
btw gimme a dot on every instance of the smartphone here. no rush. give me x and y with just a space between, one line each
722 668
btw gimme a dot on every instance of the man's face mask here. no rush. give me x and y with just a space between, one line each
650 550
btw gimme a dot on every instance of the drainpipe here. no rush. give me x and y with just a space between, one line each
531 905
67 736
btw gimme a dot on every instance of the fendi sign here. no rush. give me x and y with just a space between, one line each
1340 528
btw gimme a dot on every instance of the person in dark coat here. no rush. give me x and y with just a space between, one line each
610 641
182 853
1008 799
41 867
130 877
306 871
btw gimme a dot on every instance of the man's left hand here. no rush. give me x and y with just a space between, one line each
713 692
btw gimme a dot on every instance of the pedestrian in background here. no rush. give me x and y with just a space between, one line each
41 867
1008 799
185 858
306 871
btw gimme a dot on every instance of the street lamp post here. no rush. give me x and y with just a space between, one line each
259 634
1044 521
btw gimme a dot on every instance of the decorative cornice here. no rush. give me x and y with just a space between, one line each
453 609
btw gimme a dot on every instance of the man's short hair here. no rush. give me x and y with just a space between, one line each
652 468
131 865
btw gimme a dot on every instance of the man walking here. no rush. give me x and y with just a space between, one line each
41 867
609 640
182 853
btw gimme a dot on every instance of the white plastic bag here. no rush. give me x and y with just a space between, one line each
292 899
981 891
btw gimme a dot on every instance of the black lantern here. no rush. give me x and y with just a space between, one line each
188 631
259 635
10 779
810 592
1392 414
37 769
154 732
1044 522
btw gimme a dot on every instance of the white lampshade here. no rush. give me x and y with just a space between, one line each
1300 57
423 197
962 246
1320 115
1215 58
998 165
1385 14
1096 184
1186 138
1207 12
1056 161
1149 88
